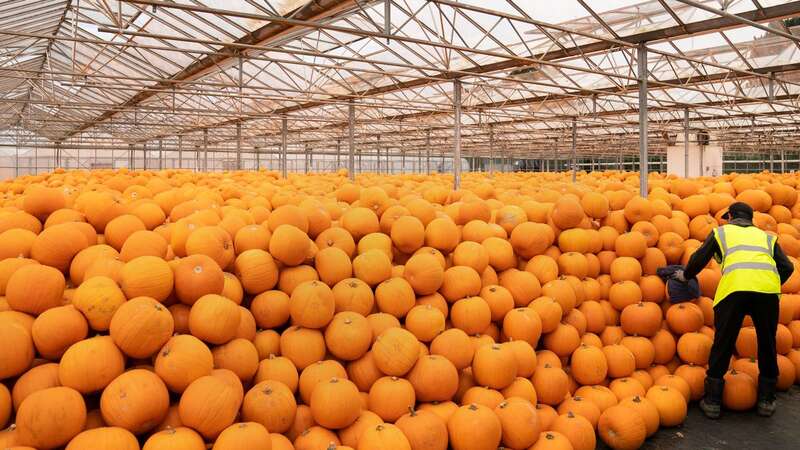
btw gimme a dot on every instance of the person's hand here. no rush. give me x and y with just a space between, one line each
678 275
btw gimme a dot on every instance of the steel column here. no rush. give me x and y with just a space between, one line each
771 159
160 154
180 152
338 153
306 159
131 157
378 157
205 149
491 150
641 63
144 152
686 142
284 132
457 134
351 119
238 146
428 151
574 146
783 159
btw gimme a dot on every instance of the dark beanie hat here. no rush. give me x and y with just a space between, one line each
741 210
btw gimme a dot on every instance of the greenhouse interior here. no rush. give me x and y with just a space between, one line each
399 224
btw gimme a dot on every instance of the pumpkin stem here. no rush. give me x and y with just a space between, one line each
473 407
412 411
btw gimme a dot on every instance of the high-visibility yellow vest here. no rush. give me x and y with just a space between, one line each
747 261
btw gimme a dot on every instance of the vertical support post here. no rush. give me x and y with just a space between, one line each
284 132
160 154
258 158
338 153
686 142
205 149
457 134
387 19
783 159
58 154
144 153
641 62
574 147
351 119
428 151
306 159
491 150
378 157
771 159
238 146
130 157
180 152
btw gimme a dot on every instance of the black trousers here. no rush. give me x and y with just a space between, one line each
728 317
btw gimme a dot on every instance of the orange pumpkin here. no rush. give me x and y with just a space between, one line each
271 404
214 318
622 428
183 359
147 276
335 403
50 418
141 326
210 404
137 400
56 329
90 365
241 435
474 427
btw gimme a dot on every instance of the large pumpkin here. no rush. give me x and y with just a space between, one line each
104 438
256 270
210 404
90 365
474 427
395 351
137 400
50 418
58 328
175 438
391 397
183 359
17 352
196 276
424 430
622 428
271 404
519 421
214 318
335 403
312 305
147 276
141 326
35 288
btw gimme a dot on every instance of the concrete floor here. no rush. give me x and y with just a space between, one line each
745 431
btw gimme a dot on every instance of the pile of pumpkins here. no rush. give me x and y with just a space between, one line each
175 310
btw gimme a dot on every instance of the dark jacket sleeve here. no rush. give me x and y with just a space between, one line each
785 267
702 256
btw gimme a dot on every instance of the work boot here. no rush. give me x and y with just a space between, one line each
766 396
711 404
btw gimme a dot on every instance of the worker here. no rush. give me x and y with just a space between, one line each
753 269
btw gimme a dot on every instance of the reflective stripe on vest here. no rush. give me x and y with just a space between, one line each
746 265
